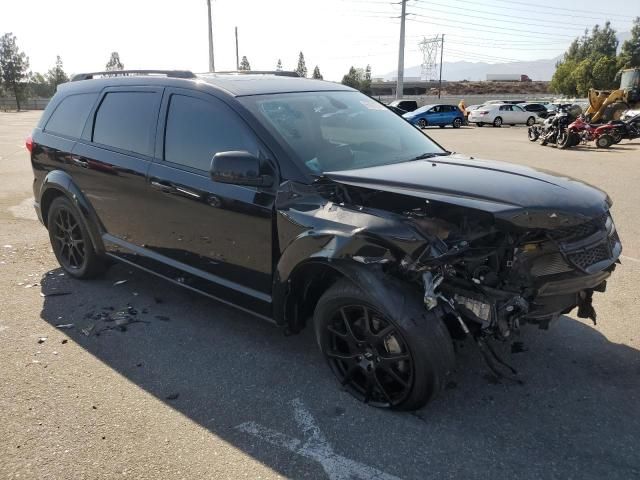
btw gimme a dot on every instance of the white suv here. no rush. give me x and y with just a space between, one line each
499 114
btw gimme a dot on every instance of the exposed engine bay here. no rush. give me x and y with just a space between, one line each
493 279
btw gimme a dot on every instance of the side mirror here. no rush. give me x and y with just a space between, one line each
238 168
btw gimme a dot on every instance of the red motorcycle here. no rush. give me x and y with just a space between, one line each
580 131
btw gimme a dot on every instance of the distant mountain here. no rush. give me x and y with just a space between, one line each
456 71
539 70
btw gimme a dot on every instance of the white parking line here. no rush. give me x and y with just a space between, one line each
624 257
315 447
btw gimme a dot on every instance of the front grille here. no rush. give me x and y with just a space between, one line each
581 231
586 258
550 265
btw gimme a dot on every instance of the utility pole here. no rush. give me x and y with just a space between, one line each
400 81
441 49
237 57
212 67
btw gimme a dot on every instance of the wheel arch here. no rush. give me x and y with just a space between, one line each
58 183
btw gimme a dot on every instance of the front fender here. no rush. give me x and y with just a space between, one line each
58 182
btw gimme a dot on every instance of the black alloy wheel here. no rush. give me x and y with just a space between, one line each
457 122
70 245
422 123
70 240
399 362
531 121
369 356
497 122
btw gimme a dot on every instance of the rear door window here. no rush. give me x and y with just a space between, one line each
127 121
71 114
197 129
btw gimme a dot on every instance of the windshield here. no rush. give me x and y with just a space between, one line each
330 131
630 79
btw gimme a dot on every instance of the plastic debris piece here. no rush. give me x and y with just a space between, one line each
54 294
119 282
42 339
65 325
87 331
172 396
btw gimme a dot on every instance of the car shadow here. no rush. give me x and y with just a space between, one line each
576 413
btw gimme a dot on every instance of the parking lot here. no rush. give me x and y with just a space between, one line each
195 389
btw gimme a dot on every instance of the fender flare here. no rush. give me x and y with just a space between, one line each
59 182
329 253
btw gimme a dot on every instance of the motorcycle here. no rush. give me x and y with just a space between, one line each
628 129
554 128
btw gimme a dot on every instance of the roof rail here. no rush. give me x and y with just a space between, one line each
279 73
168 73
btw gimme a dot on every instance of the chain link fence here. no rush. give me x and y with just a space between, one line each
9 103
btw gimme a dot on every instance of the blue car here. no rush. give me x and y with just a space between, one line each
440 115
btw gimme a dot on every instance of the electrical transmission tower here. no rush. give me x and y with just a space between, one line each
429 48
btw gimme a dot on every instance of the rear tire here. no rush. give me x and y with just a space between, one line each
71 242
457 123
480 124
497 122
441 126
398 363
604 141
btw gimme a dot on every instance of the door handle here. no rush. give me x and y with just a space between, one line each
79 162
163 186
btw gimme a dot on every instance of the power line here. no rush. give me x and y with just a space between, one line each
523 33
502 28
466 9
554 8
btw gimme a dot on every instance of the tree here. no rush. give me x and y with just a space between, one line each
353 78
365 85
39 86
316 73
279 66
14 66
244 64
301 70
589 62
114 62
630 53
57 75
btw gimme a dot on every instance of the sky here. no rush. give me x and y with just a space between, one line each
333 34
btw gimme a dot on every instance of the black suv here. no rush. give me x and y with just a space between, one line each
304 201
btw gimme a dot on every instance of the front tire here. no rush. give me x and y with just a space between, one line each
422 123
533 134
604 141
71 242
531 121
397 363
497 122
480 124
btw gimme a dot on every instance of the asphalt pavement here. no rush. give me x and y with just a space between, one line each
152 381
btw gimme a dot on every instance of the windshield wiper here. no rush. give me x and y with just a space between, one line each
430 155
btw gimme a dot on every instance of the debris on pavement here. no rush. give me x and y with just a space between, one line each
54 294
119 282
64 340
42 339
64 326
172 396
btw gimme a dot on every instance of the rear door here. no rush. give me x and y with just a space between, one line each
520 115
216 232
506 113
110 161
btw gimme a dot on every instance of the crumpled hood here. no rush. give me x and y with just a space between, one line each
521 195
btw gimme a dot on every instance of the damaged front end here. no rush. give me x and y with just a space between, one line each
487 273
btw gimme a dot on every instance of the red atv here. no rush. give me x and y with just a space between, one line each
580 131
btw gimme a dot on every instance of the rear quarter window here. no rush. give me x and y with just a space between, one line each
71 114
127 120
